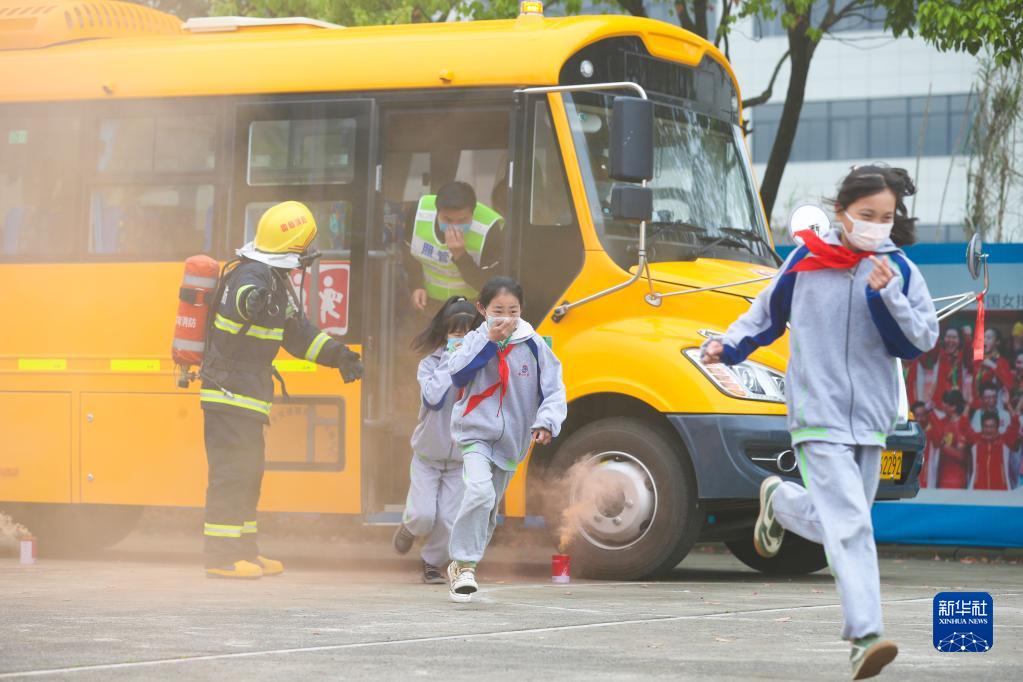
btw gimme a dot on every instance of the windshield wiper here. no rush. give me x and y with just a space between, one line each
662 225
725 241
754 237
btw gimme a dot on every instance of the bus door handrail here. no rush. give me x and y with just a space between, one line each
643 266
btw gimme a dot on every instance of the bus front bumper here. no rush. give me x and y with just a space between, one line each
732 454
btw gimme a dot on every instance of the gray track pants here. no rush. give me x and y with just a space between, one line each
834 510
485 483
434 496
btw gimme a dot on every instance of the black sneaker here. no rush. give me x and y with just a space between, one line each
403 540
432 575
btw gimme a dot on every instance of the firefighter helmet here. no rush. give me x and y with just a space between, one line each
288 227
284 231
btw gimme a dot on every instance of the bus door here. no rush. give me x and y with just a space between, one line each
545 217
319 152
425 143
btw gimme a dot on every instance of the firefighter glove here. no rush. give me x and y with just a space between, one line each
349 364
256 302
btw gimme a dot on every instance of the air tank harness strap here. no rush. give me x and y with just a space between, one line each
280 380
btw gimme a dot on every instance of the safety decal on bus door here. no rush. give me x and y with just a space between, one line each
334 278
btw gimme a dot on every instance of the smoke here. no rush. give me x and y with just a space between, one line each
11 528
587 490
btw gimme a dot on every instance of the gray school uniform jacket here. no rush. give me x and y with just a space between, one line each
431 439
842 384
535 396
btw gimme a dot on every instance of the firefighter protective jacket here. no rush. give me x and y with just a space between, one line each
237 374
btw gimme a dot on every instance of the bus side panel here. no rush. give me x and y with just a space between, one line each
35 447
89 390
142 449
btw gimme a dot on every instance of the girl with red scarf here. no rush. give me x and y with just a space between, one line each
511 396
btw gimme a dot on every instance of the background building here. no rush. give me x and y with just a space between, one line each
869 97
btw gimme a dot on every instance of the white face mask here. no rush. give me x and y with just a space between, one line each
867 236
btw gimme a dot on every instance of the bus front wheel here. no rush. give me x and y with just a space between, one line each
797 556
621 500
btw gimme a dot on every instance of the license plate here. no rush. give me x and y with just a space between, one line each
891 465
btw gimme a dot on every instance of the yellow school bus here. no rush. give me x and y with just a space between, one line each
130 140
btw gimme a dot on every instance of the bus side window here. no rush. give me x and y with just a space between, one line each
315 151
549 202
154 188
38 183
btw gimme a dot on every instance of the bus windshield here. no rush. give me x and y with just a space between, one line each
705 204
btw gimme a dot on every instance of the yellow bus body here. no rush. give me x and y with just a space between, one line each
87 383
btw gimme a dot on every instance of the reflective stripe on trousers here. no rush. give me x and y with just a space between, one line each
219 530
212 395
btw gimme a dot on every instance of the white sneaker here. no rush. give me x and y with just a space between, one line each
463 582
768 531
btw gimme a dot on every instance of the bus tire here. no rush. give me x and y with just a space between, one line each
68 529
650 539
797 556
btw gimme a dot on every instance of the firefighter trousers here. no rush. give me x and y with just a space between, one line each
235 455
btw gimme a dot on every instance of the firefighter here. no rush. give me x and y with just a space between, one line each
257 312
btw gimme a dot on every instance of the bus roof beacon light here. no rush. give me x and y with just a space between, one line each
632 140
531 7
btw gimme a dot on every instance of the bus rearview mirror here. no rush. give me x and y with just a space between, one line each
632 140
632 203
975 256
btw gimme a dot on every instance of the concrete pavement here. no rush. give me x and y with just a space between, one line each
353 611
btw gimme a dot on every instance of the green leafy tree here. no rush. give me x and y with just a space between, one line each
962 25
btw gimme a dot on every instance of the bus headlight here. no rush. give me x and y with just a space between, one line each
748 380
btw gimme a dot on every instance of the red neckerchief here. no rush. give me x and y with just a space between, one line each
502 383
827 255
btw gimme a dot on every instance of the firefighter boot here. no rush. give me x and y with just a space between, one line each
270 566
245 570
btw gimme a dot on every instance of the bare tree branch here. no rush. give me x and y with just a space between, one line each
684 18
725 14
633 7
832 17
763 97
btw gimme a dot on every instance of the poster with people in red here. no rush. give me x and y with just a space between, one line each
970 409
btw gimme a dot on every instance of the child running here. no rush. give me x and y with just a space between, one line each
512 395
854 303
435 488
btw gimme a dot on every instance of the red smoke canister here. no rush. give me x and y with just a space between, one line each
561 568
28 549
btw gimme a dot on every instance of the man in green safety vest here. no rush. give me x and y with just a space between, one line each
450 253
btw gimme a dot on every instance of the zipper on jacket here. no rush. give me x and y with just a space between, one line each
848 335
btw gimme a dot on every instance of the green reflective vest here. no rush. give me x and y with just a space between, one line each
440 274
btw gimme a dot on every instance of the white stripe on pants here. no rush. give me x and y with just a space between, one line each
485 483
434 496
834 510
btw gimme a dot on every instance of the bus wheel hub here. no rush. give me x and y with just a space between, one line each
619 498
